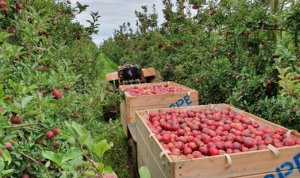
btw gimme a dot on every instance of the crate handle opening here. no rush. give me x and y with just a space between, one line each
151 135
229 160
211 106
293 132
274 149
164 152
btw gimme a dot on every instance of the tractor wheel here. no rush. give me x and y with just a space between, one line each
132 158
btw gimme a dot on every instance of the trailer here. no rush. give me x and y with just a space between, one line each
131 74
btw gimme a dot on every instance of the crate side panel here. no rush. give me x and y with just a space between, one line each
175 99
146 154
123 115
144 105
294 173
140 160
144 137
243 164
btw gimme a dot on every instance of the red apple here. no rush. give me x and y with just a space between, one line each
57 94
49 135
8 146
56 131
25 175
16 119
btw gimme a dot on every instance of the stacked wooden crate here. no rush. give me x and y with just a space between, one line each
131 104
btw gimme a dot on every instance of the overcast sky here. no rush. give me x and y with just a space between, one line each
114 13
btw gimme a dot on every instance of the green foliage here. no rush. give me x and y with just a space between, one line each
93 25
290 82
114 132
69 162
227 50
5 159
72 161
42 49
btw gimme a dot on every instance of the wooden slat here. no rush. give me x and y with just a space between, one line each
131 111
112 76
167 99
243 164
148 72
140 160
155 149
148 160
295 174
124 87
132 130
161 110
123 115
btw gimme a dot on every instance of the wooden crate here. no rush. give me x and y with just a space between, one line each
130 104
252 164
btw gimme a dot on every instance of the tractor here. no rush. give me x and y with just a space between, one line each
131 74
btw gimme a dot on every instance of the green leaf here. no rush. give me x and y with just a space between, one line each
26 100
4 36
64 174
8 171
6 156
144 172
78 162
48 163
108 169
89 143
82 139
89 173
1 165
55 157
101 147
71 130
17 105
80 130
71 154
100 167
1 91
84 136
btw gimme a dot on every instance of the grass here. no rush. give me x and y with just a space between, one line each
113 131
117 157
109 65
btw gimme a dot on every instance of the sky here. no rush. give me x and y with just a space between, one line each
114 13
